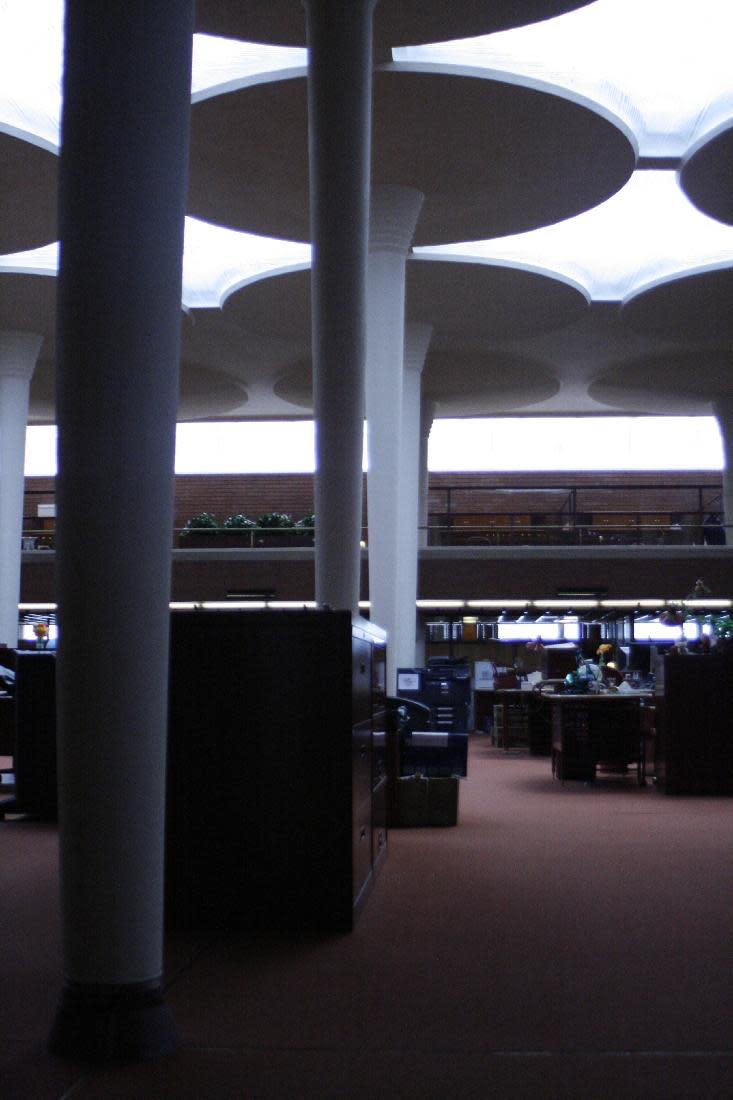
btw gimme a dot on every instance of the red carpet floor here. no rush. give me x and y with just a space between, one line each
561 942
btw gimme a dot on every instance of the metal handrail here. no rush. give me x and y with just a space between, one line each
578 534
477 535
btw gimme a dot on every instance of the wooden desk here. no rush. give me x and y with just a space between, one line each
524 720
592 730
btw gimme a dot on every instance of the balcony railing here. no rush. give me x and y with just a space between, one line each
506 534
631 513
603 532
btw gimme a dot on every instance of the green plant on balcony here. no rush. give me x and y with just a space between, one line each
202 521
305 528
275 520
200 530
239 522
276 529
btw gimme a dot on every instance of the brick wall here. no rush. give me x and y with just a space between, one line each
253 494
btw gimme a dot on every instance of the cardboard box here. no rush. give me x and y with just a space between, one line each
425 801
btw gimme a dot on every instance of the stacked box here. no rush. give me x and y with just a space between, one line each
425 800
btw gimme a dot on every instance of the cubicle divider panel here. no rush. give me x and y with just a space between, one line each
269 820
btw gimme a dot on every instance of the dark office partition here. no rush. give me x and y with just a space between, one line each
274 790
694 748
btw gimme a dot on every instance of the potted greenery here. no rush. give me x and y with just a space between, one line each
238 530
200 530
305 527
275 529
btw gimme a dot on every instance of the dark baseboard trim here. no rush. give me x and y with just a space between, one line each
113 1023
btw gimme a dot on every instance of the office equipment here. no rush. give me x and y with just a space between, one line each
445 687
416 795
439 747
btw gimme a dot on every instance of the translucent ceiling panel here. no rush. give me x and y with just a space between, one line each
649 231
663 68
216 262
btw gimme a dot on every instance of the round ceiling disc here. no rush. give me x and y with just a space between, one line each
707 177
491 158
28 195
396 22
693 307
675 383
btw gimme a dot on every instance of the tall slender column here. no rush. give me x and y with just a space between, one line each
339 117
417 341
18 357
427 415
127 84
724 414
395 211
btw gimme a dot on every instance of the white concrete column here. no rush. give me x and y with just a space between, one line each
417 341
339 115
394 215
122 201
427 415
18 357
420 657
723 409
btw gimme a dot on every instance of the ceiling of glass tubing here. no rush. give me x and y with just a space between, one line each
660 71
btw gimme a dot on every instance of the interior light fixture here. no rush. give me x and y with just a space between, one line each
292 605
706 603
242 594
633 603
562 604
434 604
588 593
496 603
231 605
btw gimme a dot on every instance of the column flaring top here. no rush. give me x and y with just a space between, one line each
394 214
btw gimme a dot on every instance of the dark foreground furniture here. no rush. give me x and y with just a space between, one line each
694 748
34 749
276 776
